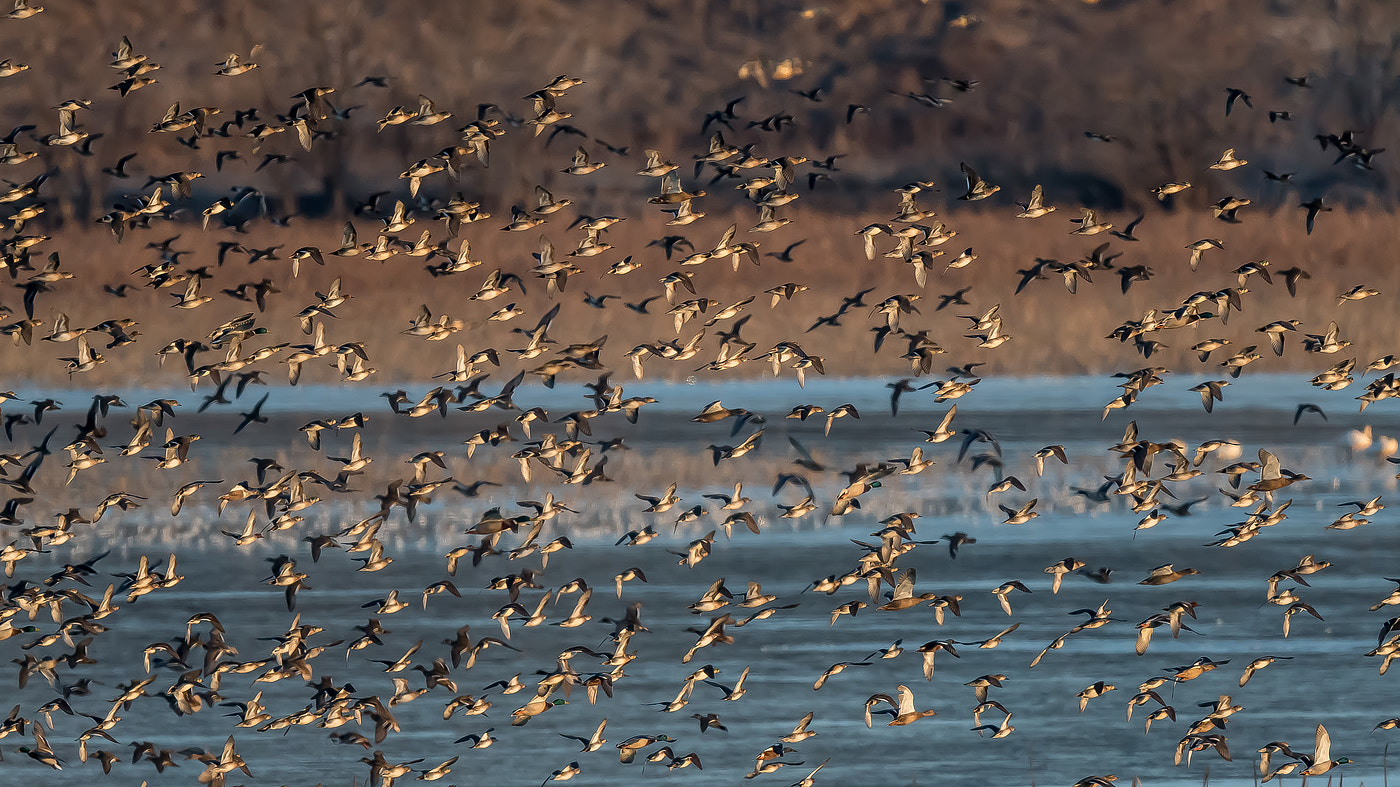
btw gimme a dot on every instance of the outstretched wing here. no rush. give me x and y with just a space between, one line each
906 700
904 588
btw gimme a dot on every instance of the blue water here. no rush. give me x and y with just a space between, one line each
1326 679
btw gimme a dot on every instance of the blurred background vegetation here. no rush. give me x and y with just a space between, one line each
1150 74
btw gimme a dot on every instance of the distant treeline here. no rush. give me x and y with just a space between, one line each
1097 101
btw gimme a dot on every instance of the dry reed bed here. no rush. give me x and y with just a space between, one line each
1056 332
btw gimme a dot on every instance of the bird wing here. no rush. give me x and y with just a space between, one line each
872 701
742 677
906 700
1322 747
948 418
971 175
802 725
582 602
1269 466
1005 631
904 588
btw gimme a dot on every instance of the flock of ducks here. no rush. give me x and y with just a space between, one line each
54 619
